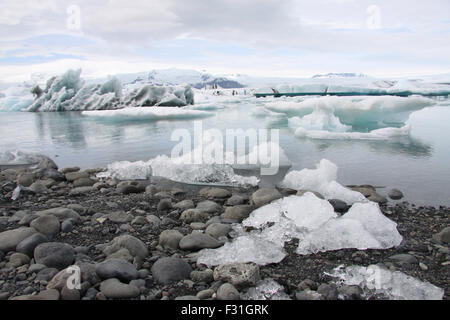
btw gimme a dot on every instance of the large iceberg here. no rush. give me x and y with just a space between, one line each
357 112
379 282
69 92
322 180
310 220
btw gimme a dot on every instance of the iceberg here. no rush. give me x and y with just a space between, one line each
380 282
69 92
357 112
321 180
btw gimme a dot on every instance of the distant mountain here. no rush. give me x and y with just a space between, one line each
174 76
340 75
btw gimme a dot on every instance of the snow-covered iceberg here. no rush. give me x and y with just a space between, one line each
69 92
385 284
322 180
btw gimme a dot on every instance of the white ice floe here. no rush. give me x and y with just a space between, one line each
383 283
148 113
377 134
322 180
351 111
310 220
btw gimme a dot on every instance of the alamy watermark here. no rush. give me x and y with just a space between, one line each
73 21
373 21
212 146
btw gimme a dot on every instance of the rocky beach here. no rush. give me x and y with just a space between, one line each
140 240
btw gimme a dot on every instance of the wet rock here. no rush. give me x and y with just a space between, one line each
116 268
48 225
72 176
404 259
184 205
351 292
328 291
212 192
84 182
11 238
129 187
81 191
114 289
218 230
46 274
61 213
169 269
164 205
196 241
238 213
67 225
264 196
339 205
395 194
170 239
193 215
135 246
236 200
238 274
227 292
206 276
443 237
209 206
54 255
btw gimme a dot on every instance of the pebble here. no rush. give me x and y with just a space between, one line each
114 289
196 241
170 269
54 255
116 268
27 246
227 292
238 274
170 239
209 206
264 196
11 238
48 225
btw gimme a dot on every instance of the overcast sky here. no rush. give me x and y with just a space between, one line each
257 37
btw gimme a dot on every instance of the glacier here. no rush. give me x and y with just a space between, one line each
380 282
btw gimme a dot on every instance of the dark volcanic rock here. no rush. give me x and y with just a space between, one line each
167 270
54 255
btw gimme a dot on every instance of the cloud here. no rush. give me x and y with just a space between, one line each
322 35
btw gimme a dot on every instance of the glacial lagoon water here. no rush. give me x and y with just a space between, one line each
418 164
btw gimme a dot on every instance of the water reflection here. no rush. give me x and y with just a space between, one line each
408 146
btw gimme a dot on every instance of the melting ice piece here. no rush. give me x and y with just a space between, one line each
307 211
267 289
16 157
321 119
242 250
322 180
378 134
126 170
396 285
362 227
148 113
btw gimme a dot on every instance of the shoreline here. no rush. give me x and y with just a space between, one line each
98 213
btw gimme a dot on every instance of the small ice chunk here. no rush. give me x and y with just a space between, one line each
267 289
322 180
126 170
377 281
362 227
307 211
243 249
